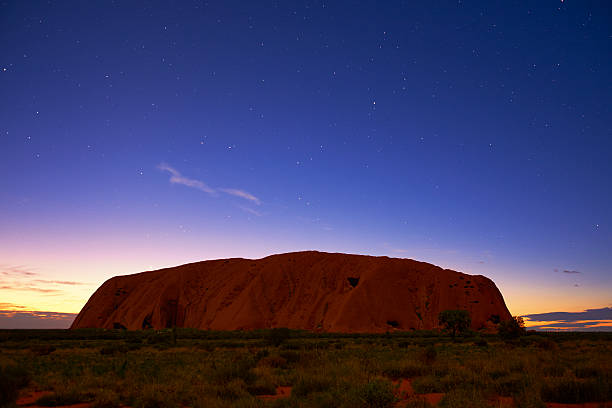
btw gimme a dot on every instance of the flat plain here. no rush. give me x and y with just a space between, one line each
285 368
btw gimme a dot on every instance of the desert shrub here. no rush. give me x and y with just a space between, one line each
480 342
571 390
68 396
106 399
261 387
404 344
546 344
512 328
42 349
463 397
205 347
404 369
261 353
113 349
429 354
510 385
378 393
278 336
590 371
12 379
291 356
528 398
554 369
428 383
291 346
240 367
417 402
311 383
233 390
154 397
496 373
273 361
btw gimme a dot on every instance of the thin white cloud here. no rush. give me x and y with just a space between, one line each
178 178
250 210
241 194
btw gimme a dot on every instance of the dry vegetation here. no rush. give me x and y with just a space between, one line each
178 368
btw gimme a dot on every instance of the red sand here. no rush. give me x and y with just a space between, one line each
302 290
405 393
29 400
281 392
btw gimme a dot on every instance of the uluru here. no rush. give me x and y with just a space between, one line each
331 292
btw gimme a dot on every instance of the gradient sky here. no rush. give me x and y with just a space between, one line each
474 135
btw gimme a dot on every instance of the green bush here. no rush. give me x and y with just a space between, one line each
455 321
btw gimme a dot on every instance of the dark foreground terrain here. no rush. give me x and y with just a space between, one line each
281 368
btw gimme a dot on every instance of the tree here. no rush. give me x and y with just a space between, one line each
512 328
455 321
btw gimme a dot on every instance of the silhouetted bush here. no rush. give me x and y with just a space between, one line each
512 328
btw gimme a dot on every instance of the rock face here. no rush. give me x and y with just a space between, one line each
302 290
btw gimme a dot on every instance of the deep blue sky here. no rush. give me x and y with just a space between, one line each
475 135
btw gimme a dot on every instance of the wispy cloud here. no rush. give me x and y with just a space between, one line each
177 178
10 306
590 319
19 270
23 279
567 271
241 194
605 313
250 210
59 282
27 288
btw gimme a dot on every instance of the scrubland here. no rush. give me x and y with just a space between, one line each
281 368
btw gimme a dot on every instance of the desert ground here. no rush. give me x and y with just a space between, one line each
285 368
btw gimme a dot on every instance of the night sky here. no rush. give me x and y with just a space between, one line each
474 135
